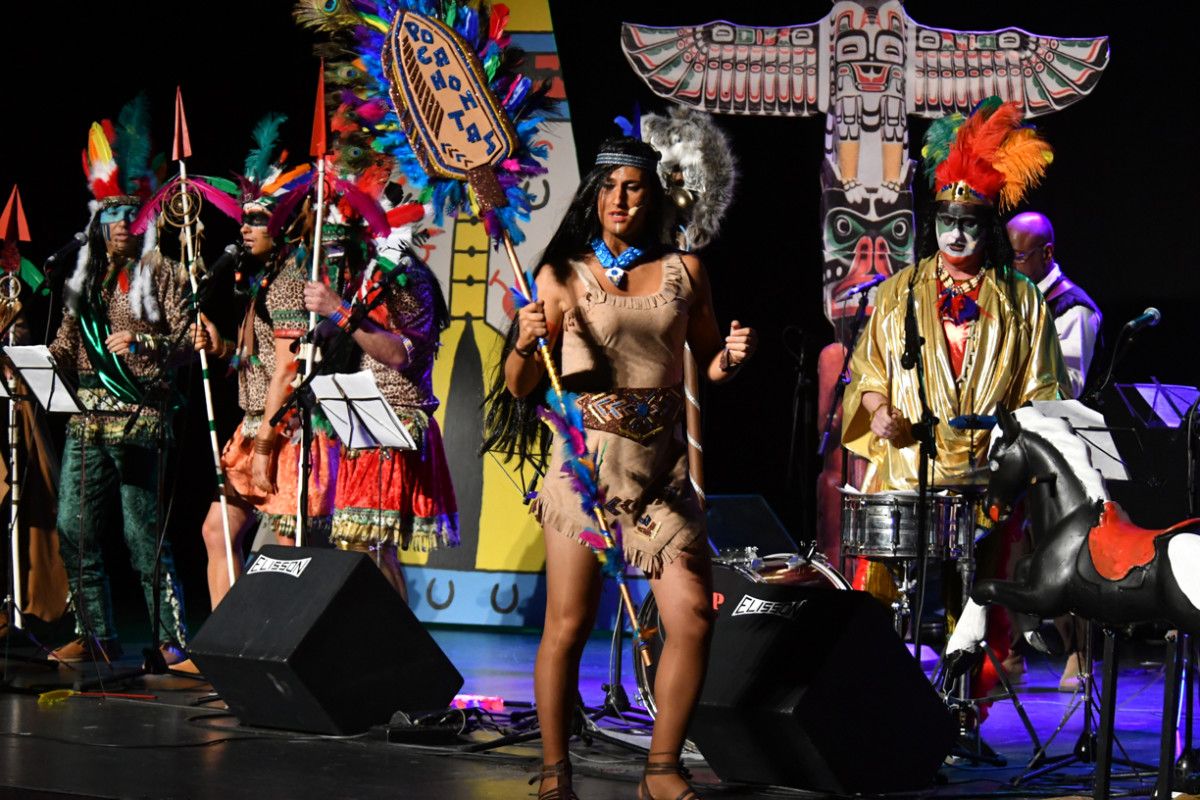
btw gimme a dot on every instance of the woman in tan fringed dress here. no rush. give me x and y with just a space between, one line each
620 306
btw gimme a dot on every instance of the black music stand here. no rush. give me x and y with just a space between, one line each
56 394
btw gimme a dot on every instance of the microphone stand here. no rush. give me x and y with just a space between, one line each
1093 397
923 432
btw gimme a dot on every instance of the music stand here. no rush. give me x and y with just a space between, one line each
35 366
359 414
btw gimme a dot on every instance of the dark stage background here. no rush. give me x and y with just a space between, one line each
1121 190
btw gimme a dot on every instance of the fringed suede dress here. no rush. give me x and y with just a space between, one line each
624 356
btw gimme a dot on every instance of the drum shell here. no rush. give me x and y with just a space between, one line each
884 525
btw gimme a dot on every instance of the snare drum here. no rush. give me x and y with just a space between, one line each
729 570
884 525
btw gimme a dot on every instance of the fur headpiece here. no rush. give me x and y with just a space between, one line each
697 169
987 158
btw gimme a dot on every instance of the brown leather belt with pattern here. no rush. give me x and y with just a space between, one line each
637 414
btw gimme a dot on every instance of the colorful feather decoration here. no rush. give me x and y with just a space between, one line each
99 163
361 109
989 151
132 146
227 205
260 162
582 467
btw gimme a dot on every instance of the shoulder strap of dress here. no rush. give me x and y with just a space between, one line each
585 275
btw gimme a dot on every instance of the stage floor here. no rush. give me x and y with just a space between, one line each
181 745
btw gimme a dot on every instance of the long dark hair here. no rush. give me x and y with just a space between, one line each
510 424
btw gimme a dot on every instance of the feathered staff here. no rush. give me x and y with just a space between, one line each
184 203
430 83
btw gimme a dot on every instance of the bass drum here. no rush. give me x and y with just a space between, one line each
788 569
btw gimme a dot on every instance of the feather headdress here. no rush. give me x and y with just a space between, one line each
117 159
985 158
364 122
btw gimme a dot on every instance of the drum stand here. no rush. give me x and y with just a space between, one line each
969 744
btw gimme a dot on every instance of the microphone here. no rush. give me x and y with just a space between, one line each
860 287
71 247
229 256
1148 319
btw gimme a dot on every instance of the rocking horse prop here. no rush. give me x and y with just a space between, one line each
1090 559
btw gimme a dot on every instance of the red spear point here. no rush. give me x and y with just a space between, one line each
183 143
319 146
13 226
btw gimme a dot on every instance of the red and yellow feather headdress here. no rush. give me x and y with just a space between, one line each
986 158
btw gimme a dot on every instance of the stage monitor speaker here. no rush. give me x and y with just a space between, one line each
317 640
745 520
811 688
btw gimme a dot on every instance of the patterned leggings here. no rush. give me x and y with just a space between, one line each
95 475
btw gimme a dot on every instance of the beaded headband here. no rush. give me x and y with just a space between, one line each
615 159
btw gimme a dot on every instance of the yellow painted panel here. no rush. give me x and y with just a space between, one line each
510 539
468 299
528 15
468 265
468 234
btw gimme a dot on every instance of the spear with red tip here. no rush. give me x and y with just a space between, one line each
189 209
317 149
13 229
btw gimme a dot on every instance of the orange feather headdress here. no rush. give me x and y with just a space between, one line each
986 158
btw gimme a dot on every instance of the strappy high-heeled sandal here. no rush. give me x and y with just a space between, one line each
561 790
666 768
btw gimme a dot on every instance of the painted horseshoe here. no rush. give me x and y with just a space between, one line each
511 606
535 204
434 603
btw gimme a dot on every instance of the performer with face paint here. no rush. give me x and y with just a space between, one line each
618 306
123 311
261 462
989 337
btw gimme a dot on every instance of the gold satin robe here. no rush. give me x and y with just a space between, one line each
1012 357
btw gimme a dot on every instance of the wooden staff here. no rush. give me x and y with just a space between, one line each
13 228
691 397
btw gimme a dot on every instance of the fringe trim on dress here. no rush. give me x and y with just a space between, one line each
650 563
372 526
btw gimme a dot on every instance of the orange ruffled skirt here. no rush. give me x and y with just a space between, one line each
279 507
403 498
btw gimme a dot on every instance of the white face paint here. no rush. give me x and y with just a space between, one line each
958 231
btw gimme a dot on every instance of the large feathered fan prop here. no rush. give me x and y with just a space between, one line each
367 128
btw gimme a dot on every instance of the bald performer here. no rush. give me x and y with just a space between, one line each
1076 317
1077 321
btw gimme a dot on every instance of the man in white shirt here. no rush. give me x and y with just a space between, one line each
1077 320
1076 316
